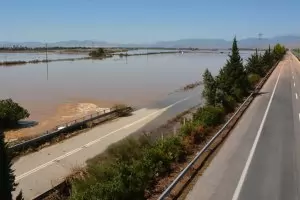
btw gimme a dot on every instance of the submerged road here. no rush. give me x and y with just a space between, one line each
261 158
40 171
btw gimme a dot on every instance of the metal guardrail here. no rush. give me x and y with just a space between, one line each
167 192
62 128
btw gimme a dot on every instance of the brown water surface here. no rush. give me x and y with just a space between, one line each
46 90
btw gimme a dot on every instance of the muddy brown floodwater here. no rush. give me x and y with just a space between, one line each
62 91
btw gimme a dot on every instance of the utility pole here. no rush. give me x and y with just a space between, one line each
46 52
47 72
260 36
47 60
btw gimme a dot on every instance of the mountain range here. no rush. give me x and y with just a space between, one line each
288 40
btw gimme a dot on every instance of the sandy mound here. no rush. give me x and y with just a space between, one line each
65 113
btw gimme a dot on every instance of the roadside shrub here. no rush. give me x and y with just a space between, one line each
127 149
103 181
128 176
187 128
209 115
11 113
198 134
121 112
279 51
253 79
238 94
230 104
158 158
124 150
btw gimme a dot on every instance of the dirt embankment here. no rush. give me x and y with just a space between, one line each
64 113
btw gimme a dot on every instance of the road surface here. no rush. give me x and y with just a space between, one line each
40 171
261 158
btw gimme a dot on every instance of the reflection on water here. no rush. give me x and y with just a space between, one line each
41 88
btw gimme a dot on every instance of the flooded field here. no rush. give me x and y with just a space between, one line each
73 88
4 57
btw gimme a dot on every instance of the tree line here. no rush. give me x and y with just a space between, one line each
25 48
235 80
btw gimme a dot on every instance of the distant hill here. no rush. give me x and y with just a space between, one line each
289 41
195 43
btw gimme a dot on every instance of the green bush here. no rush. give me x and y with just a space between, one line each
279 51
230 104
227 102
11 113
238 94
125 150
209 115
128 176
98 53
187 128
255 64
253 79
104 182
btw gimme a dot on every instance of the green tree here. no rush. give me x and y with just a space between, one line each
210 87
255 65
232 79
268 59
226 101
98 53
7 177
11 113
279 51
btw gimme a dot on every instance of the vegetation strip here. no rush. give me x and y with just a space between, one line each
12 63
211 146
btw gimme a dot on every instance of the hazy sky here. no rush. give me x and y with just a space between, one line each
146 21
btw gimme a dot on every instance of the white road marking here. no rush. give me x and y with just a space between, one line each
293 77
294 84
94 141
247 165
296 95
